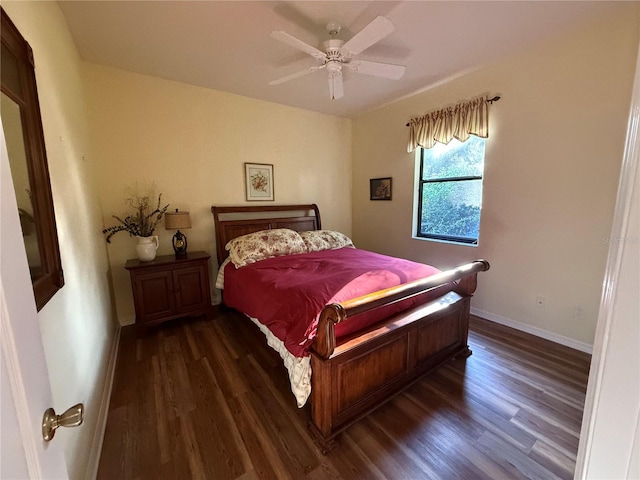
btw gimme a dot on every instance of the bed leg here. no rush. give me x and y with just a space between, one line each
466 353
321 422
323 444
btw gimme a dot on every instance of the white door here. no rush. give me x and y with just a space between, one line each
610 438
26 392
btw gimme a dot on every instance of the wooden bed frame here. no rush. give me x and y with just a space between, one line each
354 375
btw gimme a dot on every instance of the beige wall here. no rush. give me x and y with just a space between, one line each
77 325
551 172
192 142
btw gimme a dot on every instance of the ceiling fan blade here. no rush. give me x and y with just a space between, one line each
336 89
292 41
301 73
377 69
379 28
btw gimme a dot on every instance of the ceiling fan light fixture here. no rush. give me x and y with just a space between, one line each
334 66
336 88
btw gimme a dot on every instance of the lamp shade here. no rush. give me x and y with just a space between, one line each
176 220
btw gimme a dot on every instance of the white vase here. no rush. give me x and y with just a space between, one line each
146 248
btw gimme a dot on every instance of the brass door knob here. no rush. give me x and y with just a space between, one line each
72 417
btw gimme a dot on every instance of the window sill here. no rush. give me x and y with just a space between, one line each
450 242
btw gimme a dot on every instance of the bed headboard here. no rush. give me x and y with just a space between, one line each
232 222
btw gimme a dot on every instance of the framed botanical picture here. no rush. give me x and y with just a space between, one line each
259 181
380 188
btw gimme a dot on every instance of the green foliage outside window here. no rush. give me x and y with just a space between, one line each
451 191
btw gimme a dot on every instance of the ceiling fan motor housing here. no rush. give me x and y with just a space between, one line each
332 48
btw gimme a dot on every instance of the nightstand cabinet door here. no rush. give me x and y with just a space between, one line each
170 287
190 284
154 296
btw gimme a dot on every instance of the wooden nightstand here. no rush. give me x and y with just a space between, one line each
170 287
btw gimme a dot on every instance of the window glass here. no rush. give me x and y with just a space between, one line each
456 159
450 191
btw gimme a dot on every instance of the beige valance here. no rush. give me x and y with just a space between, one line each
458 121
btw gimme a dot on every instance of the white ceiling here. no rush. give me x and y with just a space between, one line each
226 45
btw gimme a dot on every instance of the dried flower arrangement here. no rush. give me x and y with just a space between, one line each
259 182
143 222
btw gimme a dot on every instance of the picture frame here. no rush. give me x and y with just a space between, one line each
380 188
259 181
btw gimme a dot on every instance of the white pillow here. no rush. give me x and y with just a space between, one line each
257 246
316 240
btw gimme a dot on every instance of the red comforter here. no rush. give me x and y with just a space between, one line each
288 293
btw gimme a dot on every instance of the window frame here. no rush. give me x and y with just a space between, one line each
418 213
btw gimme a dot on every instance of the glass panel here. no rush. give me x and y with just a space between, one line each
451 209
457 159
12 127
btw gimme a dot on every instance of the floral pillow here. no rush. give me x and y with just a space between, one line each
317 240
257 246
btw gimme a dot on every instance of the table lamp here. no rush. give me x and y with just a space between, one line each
175 221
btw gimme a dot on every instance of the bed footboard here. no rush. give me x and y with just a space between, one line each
355 376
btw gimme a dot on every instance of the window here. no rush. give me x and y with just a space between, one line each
450 191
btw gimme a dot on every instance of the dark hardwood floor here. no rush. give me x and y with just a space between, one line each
203 398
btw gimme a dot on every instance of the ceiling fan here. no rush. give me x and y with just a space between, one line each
337 54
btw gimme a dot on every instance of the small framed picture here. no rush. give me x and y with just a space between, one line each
259 181
380 188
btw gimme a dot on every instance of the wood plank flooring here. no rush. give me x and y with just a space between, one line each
204 399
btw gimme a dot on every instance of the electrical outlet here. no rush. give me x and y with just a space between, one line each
578 312
540 302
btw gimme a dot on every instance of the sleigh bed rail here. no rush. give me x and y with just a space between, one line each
465 277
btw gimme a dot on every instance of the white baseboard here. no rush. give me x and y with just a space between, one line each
101 423
538 332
